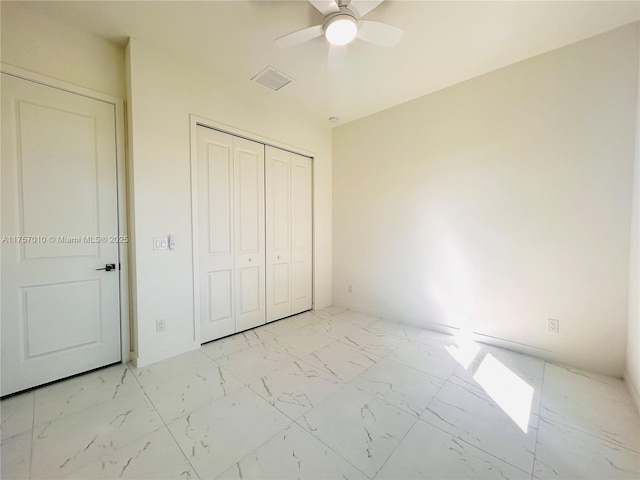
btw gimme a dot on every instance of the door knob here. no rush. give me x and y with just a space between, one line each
249 259
108 267
278 257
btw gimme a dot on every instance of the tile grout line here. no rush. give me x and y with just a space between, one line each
323 442
535 446
170 433
33 430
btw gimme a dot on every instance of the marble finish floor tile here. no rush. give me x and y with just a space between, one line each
560 380
232 344
185 392
332 310
220 434
362 429
410 332
472 416
70 442
373 341
304 319
357 318
16 413
292 454
335 327
429 453
167 368
563 452
15 456
596 415
83 391
431 359
301 342
342 361
255 362
156 456
344 404
296 389
278 328
400 386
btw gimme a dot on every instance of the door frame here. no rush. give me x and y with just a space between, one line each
121 187
194 122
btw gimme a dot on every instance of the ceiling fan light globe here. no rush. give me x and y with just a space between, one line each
341 30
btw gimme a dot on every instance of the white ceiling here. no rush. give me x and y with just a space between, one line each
444 42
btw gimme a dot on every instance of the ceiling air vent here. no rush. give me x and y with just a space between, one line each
272 78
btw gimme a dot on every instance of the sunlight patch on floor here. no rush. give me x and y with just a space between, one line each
507 389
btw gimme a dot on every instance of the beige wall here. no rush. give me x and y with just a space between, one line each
498 203
632 366
164 91
39 44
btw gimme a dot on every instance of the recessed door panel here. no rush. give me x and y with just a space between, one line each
220 200
280 284
60 316
220 297
280 209
250 203
61 145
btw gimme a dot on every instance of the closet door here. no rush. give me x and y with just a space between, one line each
231 233
278 200
249 234
289 233
216 233
301 234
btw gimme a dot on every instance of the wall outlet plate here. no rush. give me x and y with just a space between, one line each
553 325
161 326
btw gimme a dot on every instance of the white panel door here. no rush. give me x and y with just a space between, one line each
278 215
301 233
289 238
60 314
249 234
230 176
216 233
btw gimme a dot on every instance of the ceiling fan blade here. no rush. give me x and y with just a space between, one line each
362 7
325 7
337 56
379 33
300 36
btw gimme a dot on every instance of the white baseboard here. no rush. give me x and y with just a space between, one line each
633 391
153 357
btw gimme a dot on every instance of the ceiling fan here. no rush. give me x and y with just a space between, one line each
343 23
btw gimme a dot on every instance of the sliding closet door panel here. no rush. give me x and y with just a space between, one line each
301 233
278 210
249 220
216 236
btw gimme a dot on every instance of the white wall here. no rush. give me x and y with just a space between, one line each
164 91
632 366
39 44
498 203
